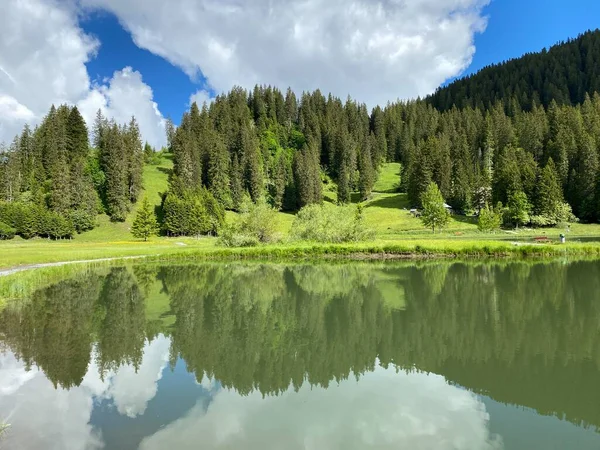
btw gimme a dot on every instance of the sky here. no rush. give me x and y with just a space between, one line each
152 58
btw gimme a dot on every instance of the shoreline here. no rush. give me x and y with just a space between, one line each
399 250
23 268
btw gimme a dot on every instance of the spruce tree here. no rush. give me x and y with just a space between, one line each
135 159
116 172
434 213
344 187
519 208
365 166
144 225
549 192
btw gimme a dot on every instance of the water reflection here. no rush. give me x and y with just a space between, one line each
326 356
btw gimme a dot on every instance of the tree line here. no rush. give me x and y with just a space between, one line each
53 184
264 145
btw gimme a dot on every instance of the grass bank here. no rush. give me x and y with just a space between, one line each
206 249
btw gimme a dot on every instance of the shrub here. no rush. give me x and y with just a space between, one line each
83 220
328 223
6 231
231 236
489 219
256 225
561 215
55 226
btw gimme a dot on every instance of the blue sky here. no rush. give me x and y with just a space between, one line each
516 27
150 58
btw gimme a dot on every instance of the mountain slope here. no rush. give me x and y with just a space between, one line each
564 73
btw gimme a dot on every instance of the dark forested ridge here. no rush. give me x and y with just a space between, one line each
563 73
534 162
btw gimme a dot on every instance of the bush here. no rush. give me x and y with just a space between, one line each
489 219
561 216
256 226
333 224
231 236
6 232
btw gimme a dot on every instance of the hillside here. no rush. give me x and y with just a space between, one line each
564 73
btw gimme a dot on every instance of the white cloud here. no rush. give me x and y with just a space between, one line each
123 96
201 96
374 50
383 410
43 53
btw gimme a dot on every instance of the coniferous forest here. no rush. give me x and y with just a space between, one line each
523 135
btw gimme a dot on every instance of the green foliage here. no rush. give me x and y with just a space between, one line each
31 220
145 224
434 214
331 224
255 225
6 232
561 215
489 219
531 79
190 212
518 209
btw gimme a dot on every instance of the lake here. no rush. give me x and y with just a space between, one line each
299 356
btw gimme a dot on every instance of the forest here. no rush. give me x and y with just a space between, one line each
526 147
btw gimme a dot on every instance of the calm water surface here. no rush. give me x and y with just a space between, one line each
352 356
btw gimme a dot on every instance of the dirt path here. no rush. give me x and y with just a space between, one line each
12 270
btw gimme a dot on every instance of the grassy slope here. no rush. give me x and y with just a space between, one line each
387 212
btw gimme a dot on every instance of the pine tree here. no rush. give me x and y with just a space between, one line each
144 225
135 159
366 178
236 180
434 213
116 171
549 192
519 208
218 172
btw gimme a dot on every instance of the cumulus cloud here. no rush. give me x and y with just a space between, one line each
383 410
43 53
374 50
123 96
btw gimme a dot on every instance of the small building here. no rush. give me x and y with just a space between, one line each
415 212
448 208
